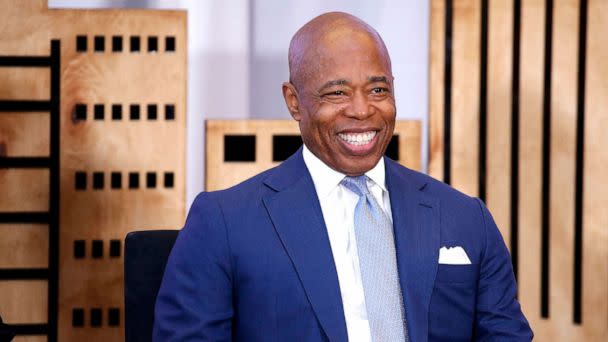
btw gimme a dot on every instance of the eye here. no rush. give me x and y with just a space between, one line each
379 90
335 93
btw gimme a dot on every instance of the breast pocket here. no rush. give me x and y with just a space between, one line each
462 274
452 309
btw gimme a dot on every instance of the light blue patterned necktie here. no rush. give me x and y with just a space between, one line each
378 264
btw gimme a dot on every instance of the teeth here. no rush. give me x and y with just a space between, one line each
358 138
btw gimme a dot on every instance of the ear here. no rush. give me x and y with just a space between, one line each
291 100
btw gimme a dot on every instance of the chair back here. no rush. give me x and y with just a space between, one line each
146 254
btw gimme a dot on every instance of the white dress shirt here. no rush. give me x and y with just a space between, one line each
338 207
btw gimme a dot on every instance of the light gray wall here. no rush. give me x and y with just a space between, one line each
237 57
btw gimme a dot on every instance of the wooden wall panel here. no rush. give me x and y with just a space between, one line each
221 174
437 84
32 304
24 246
530 144
560 104
499 81
138 135
24 135
595 189
24 190
562 144
465 100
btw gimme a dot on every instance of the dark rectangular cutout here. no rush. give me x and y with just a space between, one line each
116 43
115 248
77 317
152 44
79 249
96 319
133 180
81 43
152 112
284 146
80 112
116 112
134 112
98 180
97 249
169 112
170 44
447 95
114 317
99 112
80 180
392 150
239 148
151 180
116 180
135 43
99 43
169 179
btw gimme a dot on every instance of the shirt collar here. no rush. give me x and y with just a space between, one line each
326 179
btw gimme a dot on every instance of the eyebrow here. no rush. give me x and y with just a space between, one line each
333 83
374 79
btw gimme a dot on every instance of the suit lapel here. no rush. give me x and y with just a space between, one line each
298 220
416 227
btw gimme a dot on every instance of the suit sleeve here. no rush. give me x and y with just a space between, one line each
499 316
194 302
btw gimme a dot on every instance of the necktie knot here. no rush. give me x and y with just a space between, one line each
357 184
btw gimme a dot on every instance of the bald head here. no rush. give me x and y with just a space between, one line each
327 31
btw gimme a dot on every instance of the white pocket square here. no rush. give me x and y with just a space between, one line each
453 256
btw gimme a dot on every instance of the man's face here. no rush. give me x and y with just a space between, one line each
346 108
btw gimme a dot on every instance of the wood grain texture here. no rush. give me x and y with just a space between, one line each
31 304
436 87
24 135
499 81
465 96
24 245
124 145
530 154
559 326
563 149
220 174
595 188
24 190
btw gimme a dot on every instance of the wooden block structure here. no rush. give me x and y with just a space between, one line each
92 146
239 149
519 91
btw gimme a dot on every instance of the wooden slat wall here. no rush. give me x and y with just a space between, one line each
221 174
537 107
150 147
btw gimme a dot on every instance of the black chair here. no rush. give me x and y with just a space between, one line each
6 334
146 254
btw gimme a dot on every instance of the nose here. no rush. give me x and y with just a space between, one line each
359 107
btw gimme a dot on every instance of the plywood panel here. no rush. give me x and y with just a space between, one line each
498 178
220 174
24 190
531 109
25 83
24 245
465 96
595 189
563 127
30 339
112 144
23 301
24 135
436 87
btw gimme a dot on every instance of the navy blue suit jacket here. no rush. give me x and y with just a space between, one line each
254 263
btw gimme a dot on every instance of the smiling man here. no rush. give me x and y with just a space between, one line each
339 243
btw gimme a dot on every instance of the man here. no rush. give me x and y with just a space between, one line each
339 243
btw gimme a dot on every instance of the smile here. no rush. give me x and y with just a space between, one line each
358 139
